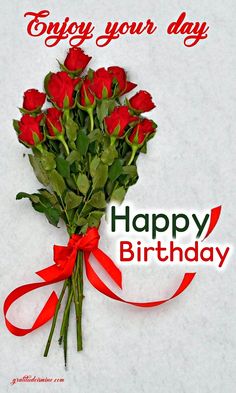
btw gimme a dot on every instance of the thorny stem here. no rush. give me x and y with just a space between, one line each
66 312
79 288
54 321
65 338
77 306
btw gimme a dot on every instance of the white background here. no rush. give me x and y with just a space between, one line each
187 345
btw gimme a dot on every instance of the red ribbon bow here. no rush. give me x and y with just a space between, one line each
65 258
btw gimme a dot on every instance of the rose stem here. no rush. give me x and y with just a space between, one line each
79 287
77 301
55 319
90 113
65 337
66 312
134 150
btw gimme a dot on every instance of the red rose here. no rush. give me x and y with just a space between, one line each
76 60
142 102
33 100
101 84
53 121
60 88
118 120
86 97
30 131
119 76
141 130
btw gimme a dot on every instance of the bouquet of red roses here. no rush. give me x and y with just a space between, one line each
84 149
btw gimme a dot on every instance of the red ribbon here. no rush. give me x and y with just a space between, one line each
65 258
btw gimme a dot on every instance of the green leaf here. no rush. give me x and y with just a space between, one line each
90 73
63 166
111 105
104 108
115 170
16 126
86 209
71 129
95 135
109 155
93 165
53 215
130 170
42 204
72 200
144 148
100 176
39 171
50 197
84 229
82 142
118 194
46 80
73 156
81 221
57 182
109 187
48 161
98 200
39 207
33 197
70 181
83 183
95 218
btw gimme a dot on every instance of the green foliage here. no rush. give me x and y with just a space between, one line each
82 183
72 200
109 154
71 129
82 142
118 195
100 176
39 171
48 161
43 203
57 182
98 200
63 166
115 170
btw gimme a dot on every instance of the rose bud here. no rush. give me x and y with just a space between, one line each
33 100
55 128
101 84
29 130
117 122
60 87
53 121
76 60
139 134
141 102
86 99
141 130
119 77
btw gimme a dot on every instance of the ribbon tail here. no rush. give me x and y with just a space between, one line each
109 266
45 314
98 284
